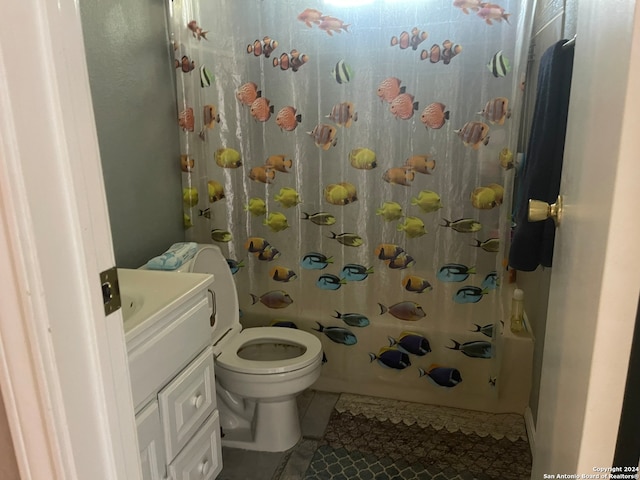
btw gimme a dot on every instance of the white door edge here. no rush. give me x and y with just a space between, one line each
63 365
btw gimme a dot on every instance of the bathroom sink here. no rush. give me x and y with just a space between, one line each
149 294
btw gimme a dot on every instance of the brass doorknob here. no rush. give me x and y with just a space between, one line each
539 210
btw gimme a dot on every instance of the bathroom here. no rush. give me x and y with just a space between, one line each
126 50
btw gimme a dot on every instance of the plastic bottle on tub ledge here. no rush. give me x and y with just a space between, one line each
517 311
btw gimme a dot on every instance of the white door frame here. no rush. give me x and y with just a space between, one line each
63 364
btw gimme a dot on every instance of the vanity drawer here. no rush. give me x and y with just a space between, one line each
186 402
202 458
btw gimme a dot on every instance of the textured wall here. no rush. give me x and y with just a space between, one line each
132 87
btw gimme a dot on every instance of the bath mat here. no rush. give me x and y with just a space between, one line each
356 446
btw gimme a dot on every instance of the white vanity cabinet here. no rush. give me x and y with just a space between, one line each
172 373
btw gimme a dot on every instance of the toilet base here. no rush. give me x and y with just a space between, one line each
275 428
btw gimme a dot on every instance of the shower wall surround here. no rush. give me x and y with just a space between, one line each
353 163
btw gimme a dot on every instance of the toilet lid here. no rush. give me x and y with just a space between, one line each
230 360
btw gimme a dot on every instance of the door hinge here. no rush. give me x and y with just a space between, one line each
110 290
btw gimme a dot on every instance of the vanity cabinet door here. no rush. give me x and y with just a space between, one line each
151 443
202 457
187 401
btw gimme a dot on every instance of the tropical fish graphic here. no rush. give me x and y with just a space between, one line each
491 281
288 197
473 134
400 262
196 31
342 72
343 114
454 272
469 294
410 342
391 358
256 206
388 251
309 16
261 109
413 227
496 110
363 159
315 261
215 191
446 53
443 376
342 193
228 158
206 213
288 118
210 118
412 283
352 319
355 273
279 162
324 136
187 163
390 211
405 41
328 281
498 190
184 64
332 24
428 201
273 299
348 239
409 311
282 274
284 324
399 176
466 5
186 119
474 349
491 245
190 196
389 89
268 254
492 11
219 235
506 158
293 60
421 164
206 77
276 221
434 115
255 244
320 218
186 221
403 106
247 93
262 174
234 265
338 334
486 330
266 47
499 65
463 225
483 198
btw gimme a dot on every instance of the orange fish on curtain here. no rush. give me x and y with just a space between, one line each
266 47
403 106
210 118
445 54
247 93
261 109
288 118
197 31
404 40
185 64
186 120
389 89
292 61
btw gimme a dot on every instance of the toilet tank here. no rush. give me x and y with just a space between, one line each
209 259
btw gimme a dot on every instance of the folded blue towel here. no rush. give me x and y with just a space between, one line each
173 258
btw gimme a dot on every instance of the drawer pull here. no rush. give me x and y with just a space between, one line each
197 401
204 467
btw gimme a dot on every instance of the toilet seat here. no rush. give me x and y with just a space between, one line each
229 359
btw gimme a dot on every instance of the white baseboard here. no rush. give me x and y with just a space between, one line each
531 429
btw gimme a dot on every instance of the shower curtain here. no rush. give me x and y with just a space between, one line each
352 161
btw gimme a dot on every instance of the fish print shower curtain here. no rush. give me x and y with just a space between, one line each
351 162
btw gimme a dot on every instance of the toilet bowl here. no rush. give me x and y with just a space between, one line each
259 371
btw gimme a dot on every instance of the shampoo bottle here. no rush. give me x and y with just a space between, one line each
517 311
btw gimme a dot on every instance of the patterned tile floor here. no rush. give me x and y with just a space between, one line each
359 437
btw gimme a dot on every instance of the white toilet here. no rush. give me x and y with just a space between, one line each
259 371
